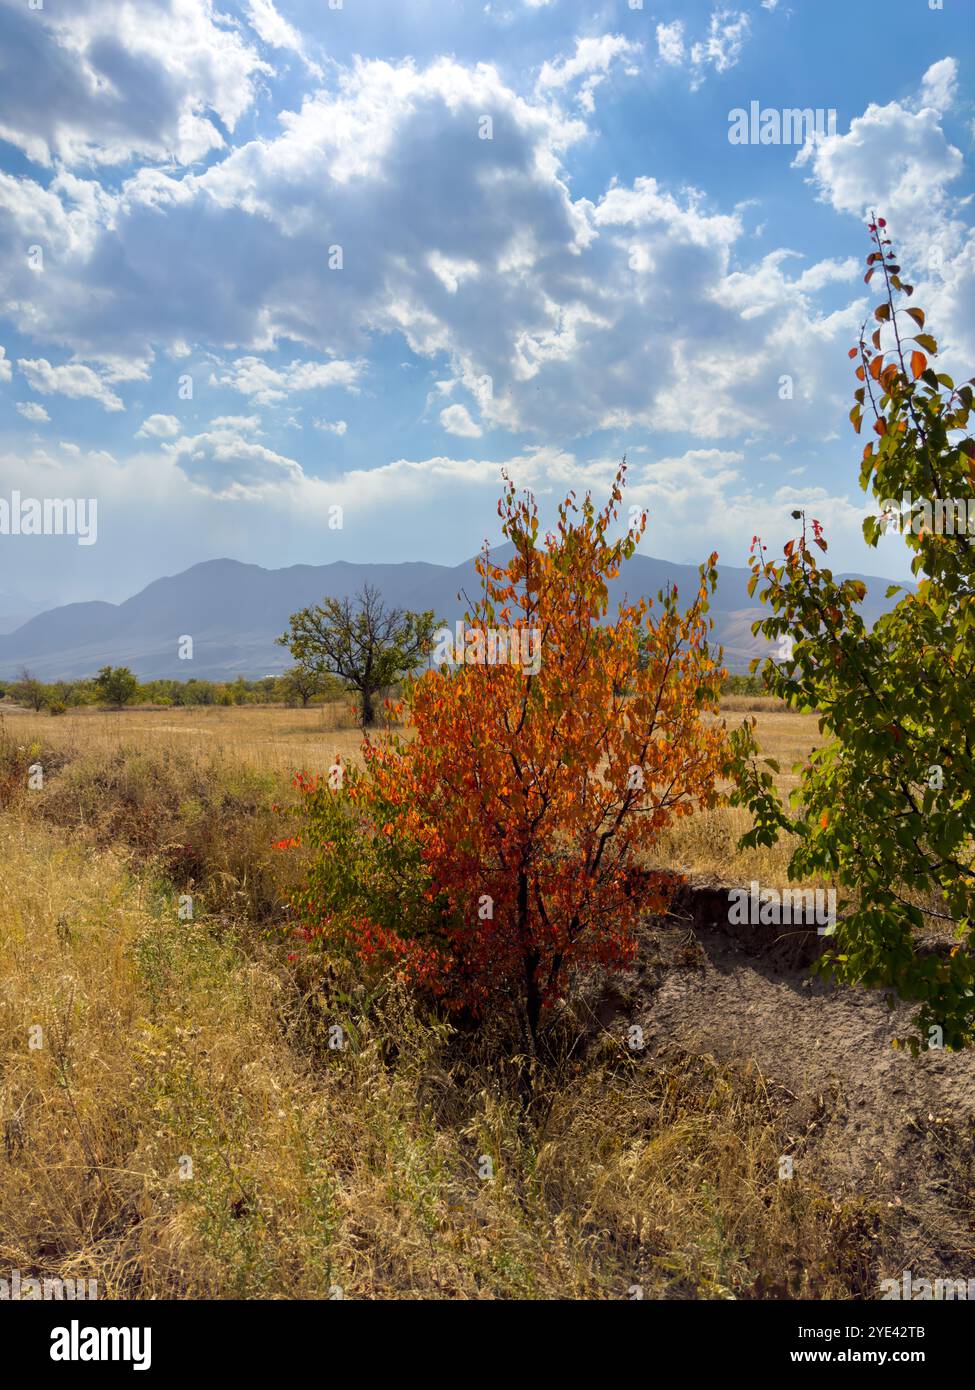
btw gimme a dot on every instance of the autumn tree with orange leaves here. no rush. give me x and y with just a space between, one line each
503 846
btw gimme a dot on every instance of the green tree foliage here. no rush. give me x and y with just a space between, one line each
886 807
28 690
367 645
301 684
116 685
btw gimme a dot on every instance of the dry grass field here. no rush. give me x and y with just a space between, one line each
280 741
175 1123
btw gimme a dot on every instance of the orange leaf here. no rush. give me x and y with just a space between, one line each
918 364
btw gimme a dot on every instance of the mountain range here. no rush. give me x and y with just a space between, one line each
234 611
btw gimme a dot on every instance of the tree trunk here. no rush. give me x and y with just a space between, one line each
533 998
368 712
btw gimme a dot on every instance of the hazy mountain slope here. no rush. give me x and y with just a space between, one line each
234 611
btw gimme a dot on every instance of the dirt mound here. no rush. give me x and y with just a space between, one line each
872 1119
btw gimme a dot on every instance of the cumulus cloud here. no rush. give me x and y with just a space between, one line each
6 371
268 385
940 85
520 294
159 427
456 419
90 83
897 162
33 411
892 159
73 379
221 462
375 210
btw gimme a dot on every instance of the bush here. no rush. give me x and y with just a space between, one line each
495 853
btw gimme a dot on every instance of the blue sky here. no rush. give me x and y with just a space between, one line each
394 247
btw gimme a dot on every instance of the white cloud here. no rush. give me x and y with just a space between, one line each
891 160
828 272
33 411
268 385
719 50
95 83
513 301
6 371
940 84
115 368
73 379
670 42
272 27
248 423
338 427
275 30
456 419
896 161
722 47
159 427
221 462
592 61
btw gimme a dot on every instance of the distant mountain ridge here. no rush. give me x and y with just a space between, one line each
234 611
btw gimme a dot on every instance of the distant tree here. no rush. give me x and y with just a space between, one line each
302 684
198 693
116 685
367 645
28 690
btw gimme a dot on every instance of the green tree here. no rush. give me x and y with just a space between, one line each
302 684
887 806
28 690
367 645
116 685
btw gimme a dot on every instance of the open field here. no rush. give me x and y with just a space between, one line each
175 1123
281 741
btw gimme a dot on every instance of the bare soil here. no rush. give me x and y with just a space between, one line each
869 1121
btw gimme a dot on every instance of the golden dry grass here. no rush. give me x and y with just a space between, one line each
706 845
169 1047
270 737
283 741
197 1046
